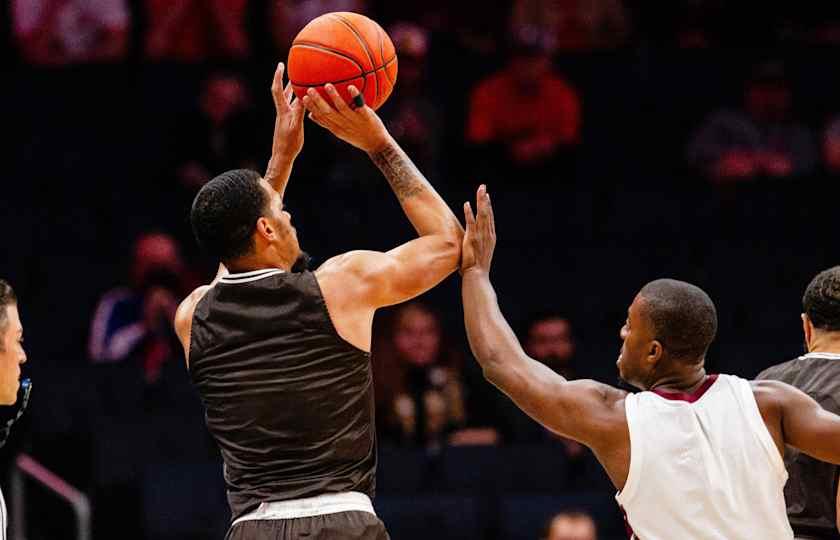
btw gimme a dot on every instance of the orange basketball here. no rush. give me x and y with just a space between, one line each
344 48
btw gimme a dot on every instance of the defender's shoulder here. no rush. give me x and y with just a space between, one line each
779 371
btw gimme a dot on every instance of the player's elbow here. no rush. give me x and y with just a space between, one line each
451 247
447 251
491 364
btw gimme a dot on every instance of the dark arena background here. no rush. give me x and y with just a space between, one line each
622 140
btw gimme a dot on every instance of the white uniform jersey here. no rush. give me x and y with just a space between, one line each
703 466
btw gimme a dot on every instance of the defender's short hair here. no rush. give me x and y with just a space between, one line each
684 317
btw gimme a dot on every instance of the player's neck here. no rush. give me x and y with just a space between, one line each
824 342
686 379
254 262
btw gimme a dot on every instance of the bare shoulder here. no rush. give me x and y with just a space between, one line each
593 409
771 393
184 315
355 275
609 395
359 263
349 293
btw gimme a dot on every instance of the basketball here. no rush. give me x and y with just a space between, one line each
344 48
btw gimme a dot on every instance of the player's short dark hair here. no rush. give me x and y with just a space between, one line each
225 213
7 297
684 318
821 300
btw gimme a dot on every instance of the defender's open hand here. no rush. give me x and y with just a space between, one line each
480 238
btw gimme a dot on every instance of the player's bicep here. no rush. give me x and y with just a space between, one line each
384 279
583 410
807 426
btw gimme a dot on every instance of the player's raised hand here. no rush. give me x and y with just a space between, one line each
288 128
480 238
359 126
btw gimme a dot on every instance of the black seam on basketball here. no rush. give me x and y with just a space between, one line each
362 76
381 33
355 32
326 48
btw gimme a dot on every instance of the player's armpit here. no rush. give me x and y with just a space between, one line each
805 425
383 279
584 410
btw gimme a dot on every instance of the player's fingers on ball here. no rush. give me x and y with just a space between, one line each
338 101
311 106
357 99
317 120
288 92
319 105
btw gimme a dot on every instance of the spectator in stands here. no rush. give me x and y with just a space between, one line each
288 17
575 24
548 339
831 146
60 32
135 321
762 138
570 526
418 379
196 30
411 116
221 134
542 111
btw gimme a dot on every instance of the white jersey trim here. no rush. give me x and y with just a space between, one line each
833 356
333 503
254 275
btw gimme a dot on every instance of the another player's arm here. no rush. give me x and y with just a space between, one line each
418 265
805 425
584 410
288 133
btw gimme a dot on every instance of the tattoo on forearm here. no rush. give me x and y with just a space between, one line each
405 179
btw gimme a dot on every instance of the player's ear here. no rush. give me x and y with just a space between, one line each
655 351
807 329
265 229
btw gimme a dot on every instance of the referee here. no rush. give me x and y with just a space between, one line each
812 493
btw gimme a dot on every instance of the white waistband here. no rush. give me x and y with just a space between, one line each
331 503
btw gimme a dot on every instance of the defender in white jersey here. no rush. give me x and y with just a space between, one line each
693 455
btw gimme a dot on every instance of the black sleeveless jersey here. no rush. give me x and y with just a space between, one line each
811 491
289 402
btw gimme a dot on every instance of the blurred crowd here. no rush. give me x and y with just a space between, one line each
499 92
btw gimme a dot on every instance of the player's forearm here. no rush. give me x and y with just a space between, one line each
491 339
280 165
426 210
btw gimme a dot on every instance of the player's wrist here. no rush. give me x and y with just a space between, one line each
475 271
380 143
